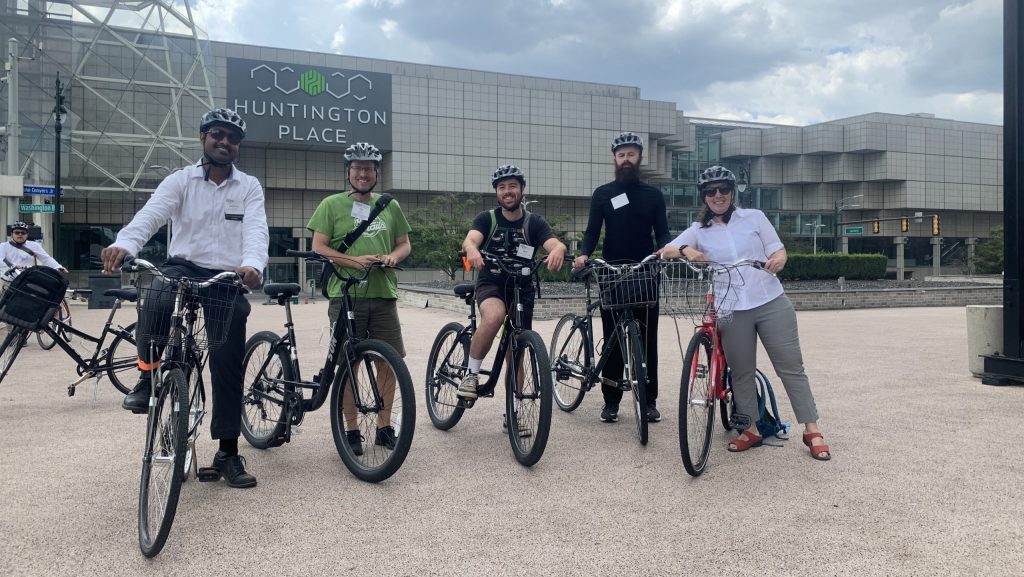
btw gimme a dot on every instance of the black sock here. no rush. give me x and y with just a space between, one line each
229 446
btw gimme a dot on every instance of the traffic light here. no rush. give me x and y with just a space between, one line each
876 227
935 225
904 224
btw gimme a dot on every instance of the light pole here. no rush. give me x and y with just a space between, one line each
841 205
814 234
59 115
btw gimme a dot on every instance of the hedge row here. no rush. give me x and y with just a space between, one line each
832 265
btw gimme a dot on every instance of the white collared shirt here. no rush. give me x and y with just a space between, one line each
219 227
749 235
17 257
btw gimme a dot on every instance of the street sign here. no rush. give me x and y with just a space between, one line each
39 208
29 189
854 230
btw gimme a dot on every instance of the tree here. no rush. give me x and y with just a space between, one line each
988 256
438 230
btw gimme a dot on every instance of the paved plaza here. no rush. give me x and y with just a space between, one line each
926 477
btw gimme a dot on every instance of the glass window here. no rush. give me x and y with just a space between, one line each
789 223
281 239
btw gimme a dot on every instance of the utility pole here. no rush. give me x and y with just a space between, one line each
13 125
59 113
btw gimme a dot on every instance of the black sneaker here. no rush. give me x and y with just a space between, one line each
386 438
232 468
355 441
653 414
610 414
137 401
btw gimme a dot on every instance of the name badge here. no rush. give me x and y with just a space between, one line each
620 201
360 211
524 251
234 209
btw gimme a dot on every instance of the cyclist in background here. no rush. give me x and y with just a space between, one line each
20 252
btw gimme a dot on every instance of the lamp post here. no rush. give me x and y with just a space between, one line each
814 235
841 205
59 115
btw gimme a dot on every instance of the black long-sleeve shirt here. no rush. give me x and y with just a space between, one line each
633 230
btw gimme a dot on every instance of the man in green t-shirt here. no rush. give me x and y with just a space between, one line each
385 240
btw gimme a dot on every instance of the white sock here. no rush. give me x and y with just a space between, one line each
474 365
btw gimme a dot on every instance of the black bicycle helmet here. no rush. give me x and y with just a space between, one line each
626 139
508 171
224 116
716 174
363 151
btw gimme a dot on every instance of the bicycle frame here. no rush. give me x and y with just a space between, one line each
87 368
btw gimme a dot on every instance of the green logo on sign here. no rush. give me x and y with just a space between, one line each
312 82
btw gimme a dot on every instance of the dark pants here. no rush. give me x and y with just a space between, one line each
225 359
648 320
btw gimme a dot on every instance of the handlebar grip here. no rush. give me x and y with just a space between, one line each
302 253
127 264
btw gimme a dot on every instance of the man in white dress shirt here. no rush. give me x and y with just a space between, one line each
220 224
20 252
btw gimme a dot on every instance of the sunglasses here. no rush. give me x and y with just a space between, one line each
218 134
710 191
19 232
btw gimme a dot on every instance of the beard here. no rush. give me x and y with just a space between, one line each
627 173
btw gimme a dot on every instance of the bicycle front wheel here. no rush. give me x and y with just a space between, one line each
263 395
446 365
696 405
122 360
62 314
568 363
635 372
373 414
163 465
13 339
528 399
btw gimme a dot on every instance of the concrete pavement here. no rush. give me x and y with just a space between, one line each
926 477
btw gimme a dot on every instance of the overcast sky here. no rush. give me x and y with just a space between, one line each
785 61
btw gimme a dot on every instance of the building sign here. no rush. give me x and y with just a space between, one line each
310 105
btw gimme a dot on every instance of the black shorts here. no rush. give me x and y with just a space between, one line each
489 290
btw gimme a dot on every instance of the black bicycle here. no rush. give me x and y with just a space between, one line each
573 368
527 379
373 411
198 320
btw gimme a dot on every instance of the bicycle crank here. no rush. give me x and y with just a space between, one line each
82 379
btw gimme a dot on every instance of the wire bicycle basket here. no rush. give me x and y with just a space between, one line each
211 307
628 285
699 291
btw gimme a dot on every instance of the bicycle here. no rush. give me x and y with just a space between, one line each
704 293
61 319
364 402
199 318
622 287
527 382
114 361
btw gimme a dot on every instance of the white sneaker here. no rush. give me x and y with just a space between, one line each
467 388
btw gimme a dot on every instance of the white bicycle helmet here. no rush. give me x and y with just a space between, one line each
627 138
716 174
363 151
19 225
222 116
508 171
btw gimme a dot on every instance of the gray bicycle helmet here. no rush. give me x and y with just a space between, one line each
363 151
222 116
508 171
627 138
19 225
716 174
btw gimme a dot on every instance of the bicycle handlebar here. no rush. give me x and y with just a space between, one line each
132 264
511 265
312 255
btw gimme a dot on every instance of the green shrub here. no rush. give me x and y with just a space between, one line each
832 265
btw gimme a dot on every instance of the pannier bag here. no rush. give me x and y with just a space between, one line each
32 298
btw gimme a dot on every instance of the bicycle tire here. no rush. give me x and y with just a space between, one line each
160 487
528 406
10 347
63 314
636 374
568 354
263 414
696 405
377 462
196 410
442 400
122 360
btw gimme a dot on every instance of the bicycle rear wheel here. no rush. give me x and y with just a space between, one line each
122 360
263 414
163 467
62 314
13 339
528 399
635 373
373 412
446 365
569 357
696 405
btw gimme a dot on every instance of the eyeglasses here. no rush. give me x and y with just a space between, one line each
710 191
19 232
218 134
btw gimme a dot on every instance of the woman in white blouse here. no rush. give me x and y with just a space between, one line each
725 233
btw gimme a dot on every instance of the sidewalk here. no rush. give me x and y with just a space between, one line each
925 480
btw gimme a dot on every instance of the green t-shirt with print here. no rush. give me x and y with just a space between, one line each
334 218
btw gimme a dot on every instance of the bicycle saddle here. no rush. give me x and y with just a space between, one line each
128 294
283 289
465 290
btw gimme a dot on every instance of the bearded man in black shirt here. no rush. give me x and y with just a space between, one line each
633 214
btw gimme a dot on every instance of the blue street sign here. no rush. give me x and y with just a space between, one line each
41 190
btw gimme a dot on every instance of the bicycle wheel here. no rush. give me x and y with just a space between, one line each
263 394
696 405
163 468
528 399
122 360
13 339
635 373
196 409
569 356
373 414
62 314
446 366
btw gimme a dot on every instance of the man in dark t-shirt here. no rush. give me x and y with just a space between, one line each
633 215
508 231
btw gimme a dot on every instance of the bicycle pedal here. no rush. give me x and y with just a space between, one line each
465 403
71 390
208 474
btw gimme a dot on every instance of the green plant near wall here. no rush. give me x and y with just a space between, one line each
988 255
832 266
438 230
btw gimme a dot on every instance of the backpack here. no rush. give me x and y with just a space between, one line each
32 297
494 225
769 422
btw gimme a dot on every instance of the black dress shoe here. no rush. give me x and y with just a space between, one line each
137 401
355 441
386 438
232 468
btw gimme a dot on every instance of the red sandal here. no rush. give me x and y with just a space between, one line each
738 445
817 451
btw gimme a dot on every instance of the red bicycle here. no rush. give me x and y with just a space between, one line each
704 292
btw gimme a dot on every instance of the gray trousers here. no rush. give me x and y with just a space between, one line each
775 323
